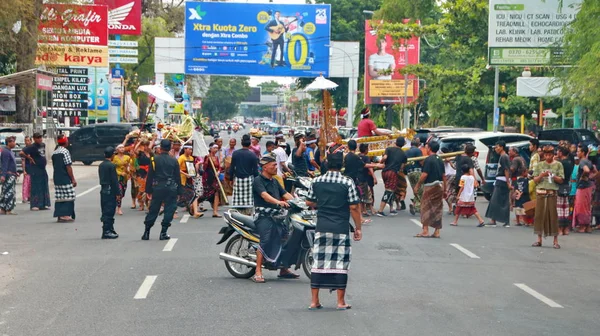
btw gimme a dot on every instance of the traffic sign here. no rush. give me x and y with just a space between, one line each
115 101
125 60
121 43
117 73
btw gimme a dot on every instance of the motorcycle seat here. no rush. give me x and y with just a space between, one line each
247 221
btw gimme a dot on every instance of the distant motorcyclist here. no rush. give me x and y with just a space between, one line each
268 195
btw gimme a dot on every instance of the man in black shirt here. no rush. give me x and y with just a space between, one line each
335 197
163 184
109 193
298 160
36 156
366 180
413 172
244 167
433 179
394 160
268 195
355 166
499 207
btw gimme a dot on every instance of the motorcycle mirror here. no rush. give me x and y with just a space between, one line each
291 166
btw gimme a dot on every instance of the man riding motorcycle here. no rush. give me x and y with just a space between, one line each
267 193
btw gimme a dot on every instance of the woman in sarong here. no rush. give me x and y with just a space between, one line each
143 155
562 201
548 175
198 187
123 164
573 185
26 190
433 178
582 211
186 199
210 179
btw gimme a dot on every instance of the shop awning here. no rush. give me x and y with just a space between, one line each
22 77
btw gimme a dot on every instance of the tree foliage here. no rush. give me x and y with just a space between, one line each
224 96
270 87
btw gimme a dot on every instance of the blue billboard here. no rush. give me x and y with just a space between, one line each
223 38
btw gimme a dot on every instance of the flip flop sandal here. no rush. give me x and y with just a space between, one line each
556 246
418 235
198 215
454 224
217 216
434 236
344 308
288 276
320 306
258 279
536 244
133 207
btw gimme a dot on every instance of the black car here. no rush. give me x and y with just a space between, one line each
87 144
573 135
491 166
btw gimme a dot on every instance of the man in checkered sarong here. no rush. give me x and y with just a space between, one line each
243 169
336 198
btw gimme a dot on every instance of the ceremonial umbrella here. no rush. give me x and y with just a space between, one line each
158 92
321 83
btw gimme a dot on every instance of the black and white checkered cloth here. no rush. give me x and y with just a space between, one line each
66 155
242 192
64 193
336 177
331 253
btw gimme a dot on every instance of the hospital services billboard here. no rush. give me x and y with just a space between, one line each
223 38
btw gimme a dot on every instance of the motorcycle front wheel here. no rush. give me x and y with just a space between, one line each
234 246
307 262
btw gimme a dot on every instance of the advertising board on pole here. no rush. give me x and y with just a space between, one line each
383 84
224 38
124 16
529 32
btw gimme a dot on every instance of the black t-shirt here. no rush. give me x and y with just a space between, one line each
143 159
364 175
395 159
333 193
353 166
61 159
583 182
271 186
434 167
568 169
460 161
300 164
37 153
503 164
412 153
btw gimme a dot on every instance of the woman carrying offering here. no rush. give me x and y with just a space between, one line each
210 179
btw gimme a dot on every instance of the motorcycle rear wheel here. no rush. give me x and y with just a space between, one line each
307 262
237 270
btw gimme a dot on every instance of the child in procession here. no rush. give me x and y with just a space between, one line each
465 206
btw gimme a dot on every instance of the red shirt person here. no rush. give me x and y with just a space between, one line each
366 127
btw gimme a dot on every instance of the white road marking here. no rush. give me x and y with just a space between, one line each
184 219
142 293
465 251
417 223
538 296
88 191
170 245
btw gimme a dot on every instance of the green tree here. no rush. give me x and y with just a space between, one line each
259 111
270 87
224 96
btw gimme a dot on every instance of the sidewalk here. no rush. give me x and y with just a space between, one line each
80 171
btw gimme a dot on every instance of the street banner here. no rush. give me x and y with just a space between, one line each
124 16
63 55
224 38
383 84
529 32
43 82
68 24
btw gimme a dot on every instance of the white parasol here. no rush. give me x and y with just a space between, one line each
158 92
321 83
548 114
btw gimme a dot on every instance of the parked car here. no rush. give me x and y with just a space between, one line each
347 132
573 135
424 133
491 166
483 142
20 140
87 144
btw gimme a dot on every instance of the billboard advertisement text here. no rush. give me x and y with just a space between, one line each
124 16
257 39
73 24
383 84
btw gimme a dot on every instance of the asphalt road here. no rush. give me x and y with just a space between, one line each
62 279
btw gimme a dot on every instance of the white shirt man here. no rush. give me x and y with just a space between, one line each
282 158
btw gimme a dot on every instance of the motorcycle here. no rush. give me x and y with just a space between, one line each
243 240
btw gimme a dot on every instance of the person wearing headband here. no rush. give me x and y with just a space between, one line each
366 127
548 175
35 154
309 155
298 159
226 164
337 199
268 198
255 146
110 192
498 209
64 182
244 168
163 184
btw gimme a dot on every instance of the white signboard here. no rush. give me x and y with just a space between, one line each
120 43
127 52
528 32
126 60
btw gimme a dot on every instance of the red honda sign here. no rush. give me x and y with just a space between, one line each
73 24
124 16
